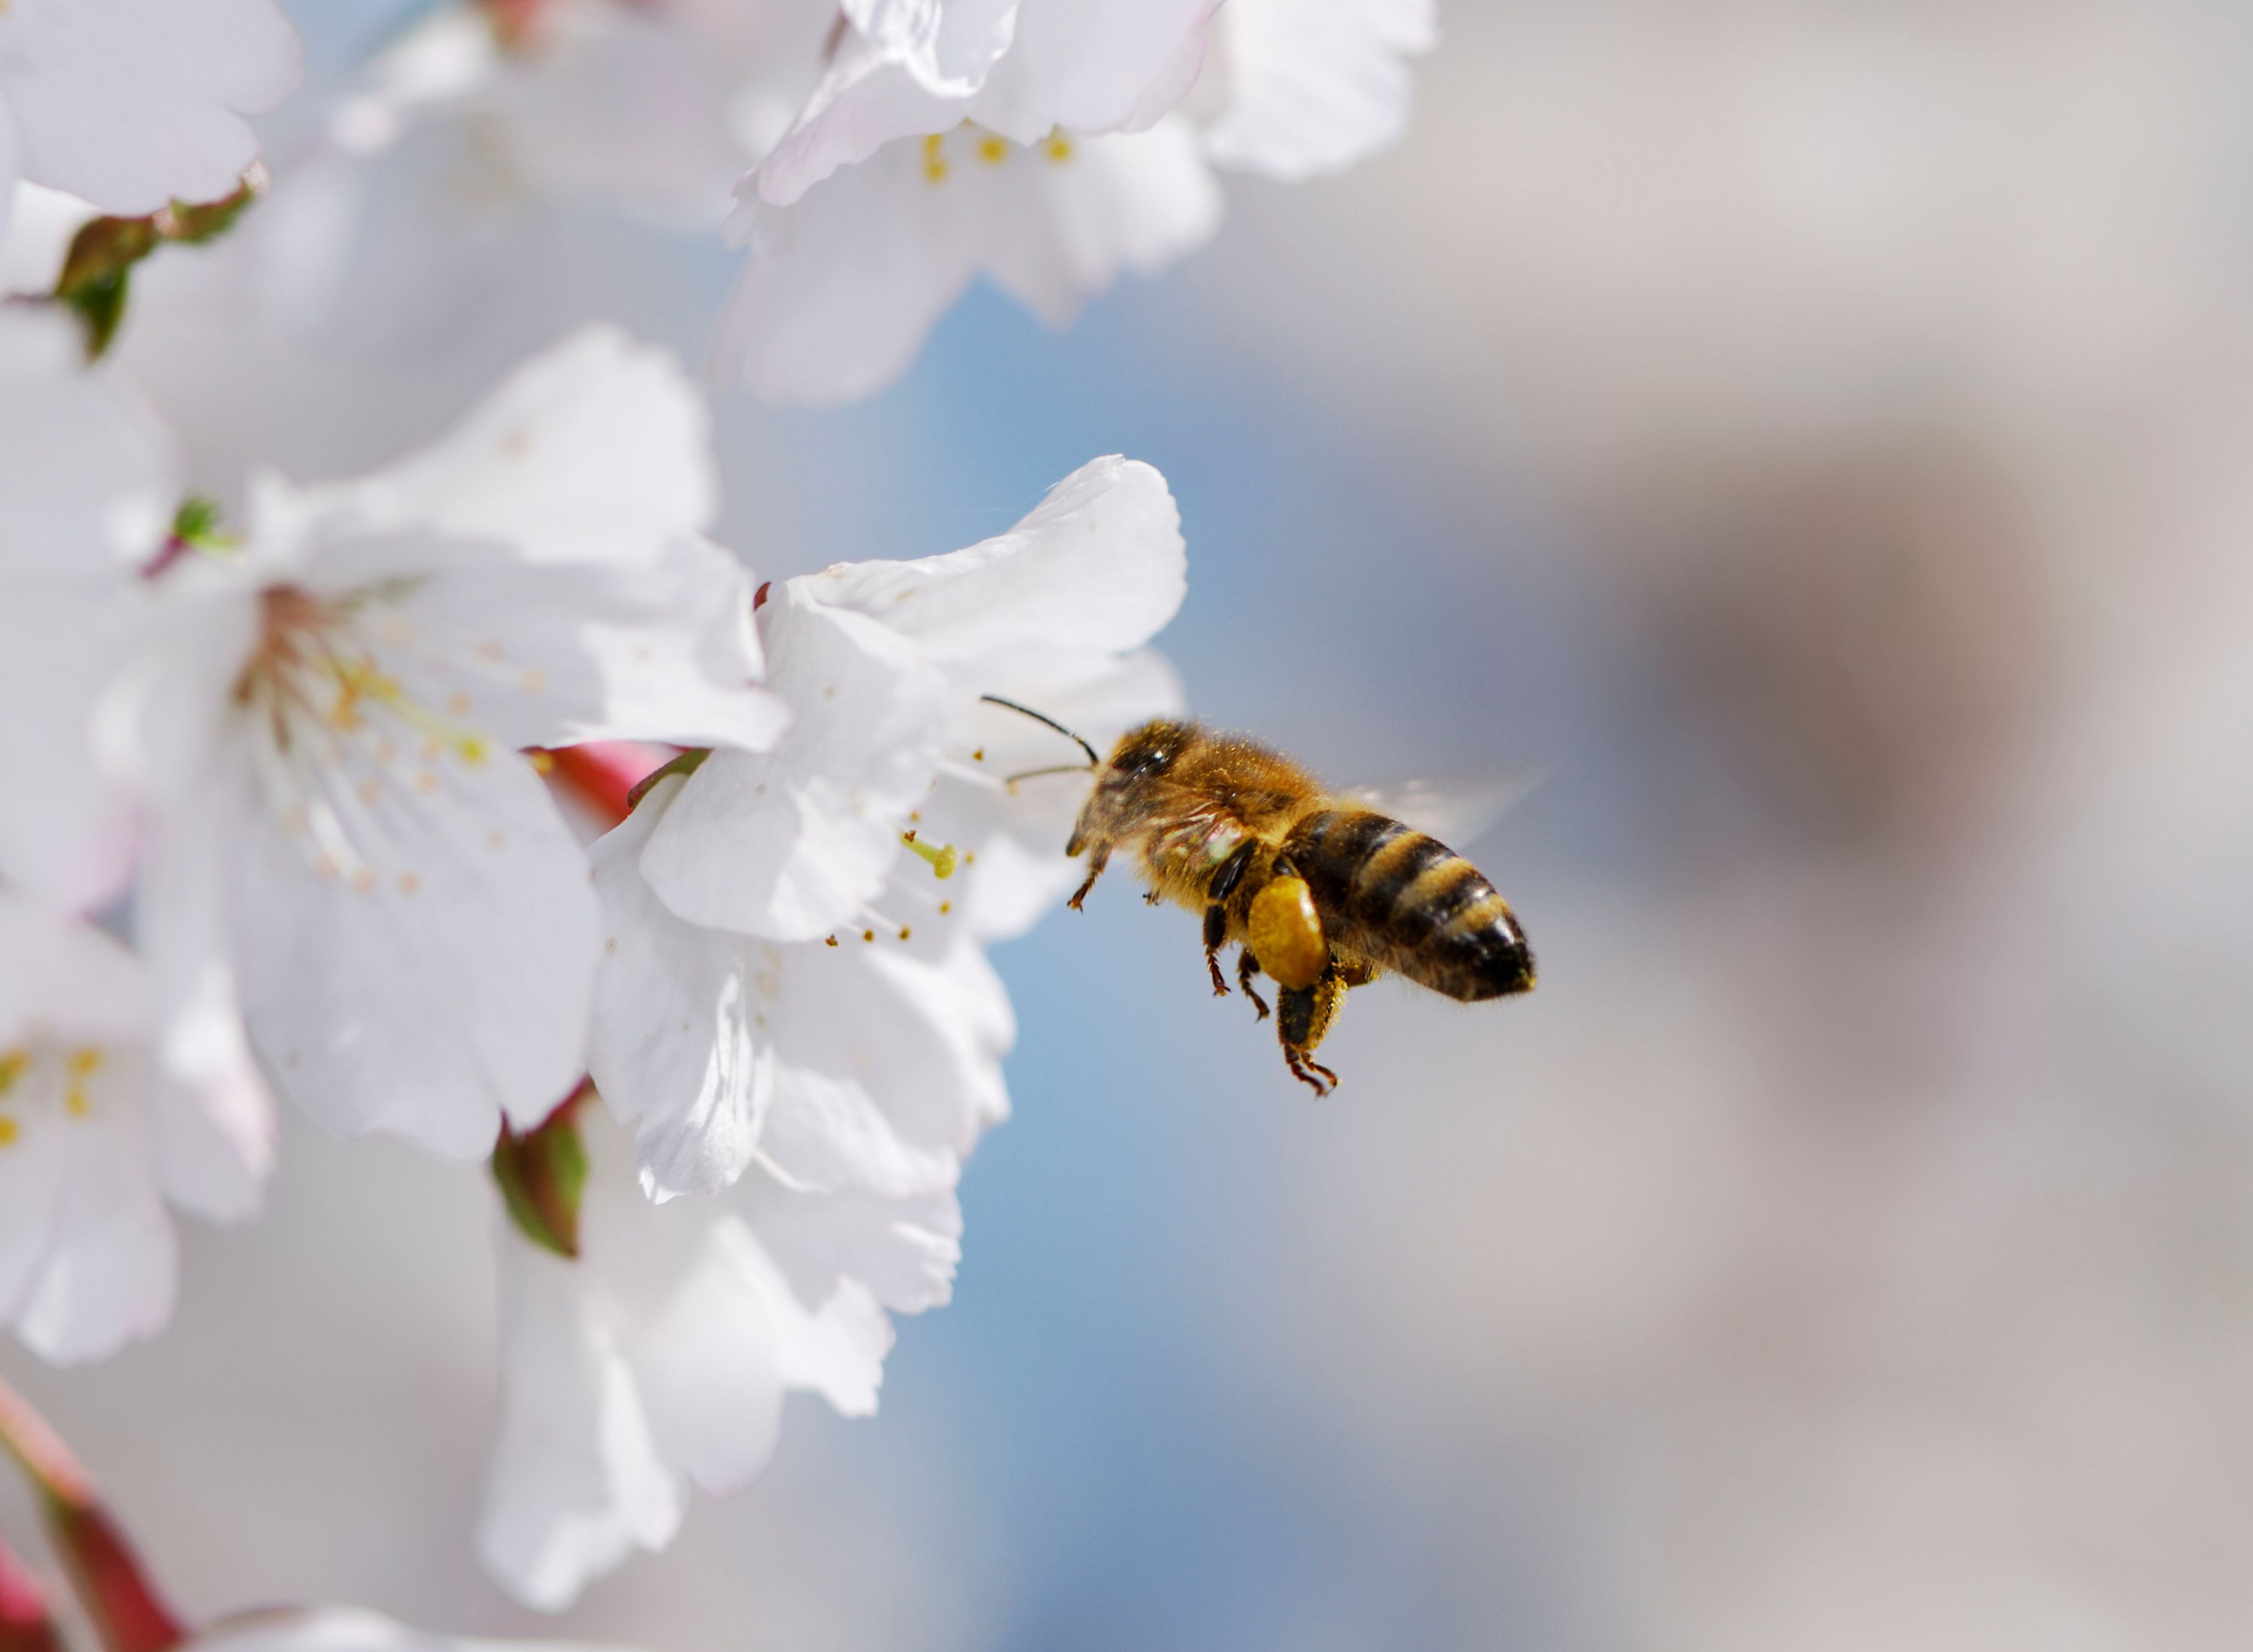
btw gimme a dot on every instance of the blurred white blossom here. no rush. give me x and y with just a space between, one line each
103 1119
134 103
657 1358
89 480
1084 153
320 728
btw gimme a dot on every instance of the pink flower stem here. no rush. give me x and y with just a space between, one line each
118 1596
25 1624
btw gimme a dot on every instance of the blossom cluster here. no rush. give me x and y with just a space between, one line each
881 156
484 801
314 756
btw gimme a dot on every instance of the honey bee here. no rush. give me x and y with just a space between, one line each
1320 891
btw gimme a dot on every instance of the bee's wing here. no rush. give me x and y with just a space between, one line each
1456 808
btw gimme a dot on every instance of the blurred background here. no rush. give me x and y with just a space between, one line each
1818 433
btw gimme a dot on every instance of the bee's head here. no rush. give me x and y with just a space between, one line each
1129 782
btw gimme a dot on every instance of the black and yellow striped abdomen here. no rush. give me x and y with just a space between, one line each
1403 899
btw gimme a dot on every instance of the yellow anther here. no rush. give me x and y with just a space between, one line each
868 935
74 1098
944 907
934 157
9 1131
829 940
1058 147
83 1064
904 932
12 1063
993 150
943 859
471 749
542 762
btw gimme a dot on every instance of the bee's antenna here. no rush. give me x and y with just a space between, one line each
1093 761
1010 780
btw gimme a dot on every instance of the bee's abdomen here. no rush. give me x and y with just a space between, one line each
1404 899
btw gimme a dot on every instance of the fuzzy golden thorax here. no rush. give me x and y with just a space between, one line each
1188 797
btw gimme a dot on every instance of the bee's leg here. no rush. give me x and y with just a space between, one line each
1225 877
1099 859
1246 967
1302 1016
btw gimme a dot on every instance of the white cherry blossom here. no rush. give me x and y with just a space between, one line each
778 956
321 731
103 1119
453 163
133 103
1081 67
870 220
796 1013
656 1359
90 480
842 287
864 1060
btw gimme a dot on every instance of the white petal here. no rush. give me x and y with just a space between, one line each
1098 566
947 46
599 451
112 1266
792 843
1315 86
211 1115
34 1175
90 476
887 1065
1129 203
833 1343
672 1042
66 978
440 977
708 1363
842 286
576 1480
132 103
902 1252
539 654
1087 66
627 107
